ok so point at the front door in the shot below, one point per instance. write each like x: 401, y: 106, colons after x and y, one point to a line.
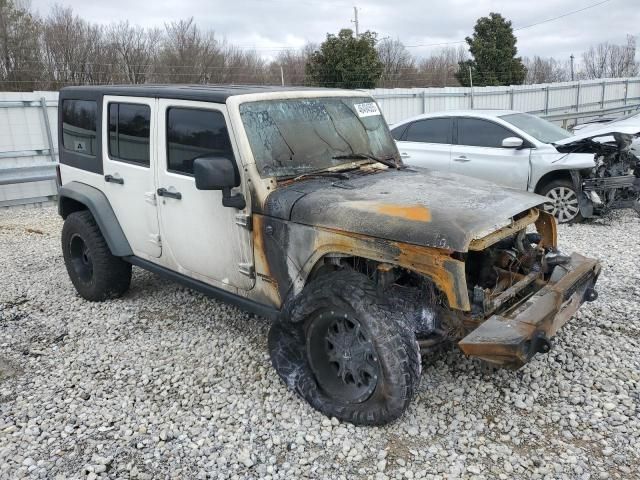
x: 201, y: 238
x: 478, y: 152
x: 129, y: 137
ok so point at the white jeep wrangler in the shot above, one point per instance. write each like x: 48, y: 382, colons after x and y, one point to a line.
x: 294, y: 204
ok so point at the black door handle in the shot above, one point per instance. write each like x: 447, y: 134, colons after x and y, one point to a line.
x: 163, y: 192
x: 112, y: 179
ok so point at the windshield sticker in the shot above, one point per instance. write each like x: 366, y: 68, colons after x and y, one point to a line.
x: 368, y: 109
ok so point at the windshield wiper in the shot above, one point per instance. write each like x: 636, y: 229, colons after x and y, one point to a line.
x: 388, y: 161
x: 319, y: 173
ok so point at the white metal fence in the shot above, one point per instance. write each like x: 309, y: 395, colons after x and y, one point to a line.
x: 28, y: 147
x: 29, y: 138
x: 556, y: 101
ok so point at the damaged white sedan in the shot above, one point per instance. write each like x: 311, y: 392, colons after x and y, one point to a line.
x: 582, y: 175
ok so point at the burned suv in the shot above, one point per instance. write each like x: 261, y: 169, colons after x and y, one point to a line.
x: 294, y: 204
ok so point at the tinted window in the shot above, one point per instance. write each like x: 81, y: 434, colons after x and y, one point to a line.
x: 79, y: 126
x: 195, y: 133
x: 436, y: 130
x: 397, y: 132
x: 481, y: 133
x: 129, y: 132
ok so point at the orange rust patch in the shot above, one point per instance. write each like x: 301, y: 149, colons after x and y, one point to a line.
x: 416, y: 212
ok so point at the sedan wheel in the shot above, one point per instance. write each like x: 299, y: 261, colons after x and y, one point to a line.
x: 563, y: 203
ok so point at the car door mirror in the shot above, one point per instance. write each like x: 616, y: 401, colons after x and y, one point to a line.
x: 512, y: 142
x: 219, y: 173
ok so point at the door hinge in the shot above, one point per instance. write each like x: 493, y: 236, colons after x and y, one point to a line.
x: 244, y: 220
x: 155, y: 239
x: 150, y: 197
x: 247, y: 269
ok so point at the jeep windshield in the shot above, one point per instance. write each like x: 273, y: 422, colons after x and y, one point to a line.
x: 296, y: 136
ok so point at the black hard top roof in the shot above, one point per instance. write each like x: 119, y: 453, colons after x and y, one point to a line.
x: 207, y: 93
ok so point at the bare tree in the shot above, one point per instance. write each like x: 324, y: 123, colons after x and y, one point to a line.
x: 607, y: 60
x: 399, y: 64
x: 438, y: 70
x: 19, y: 53
x: 293, y: 65
x: 74, y: 51
x: 135, y: 50
x: 189, y: 55
x: 546, y: 70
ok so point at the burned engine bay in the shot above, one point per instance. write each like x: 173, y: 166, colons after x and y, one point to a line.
x: 503, y: 271
x: 615, y: 180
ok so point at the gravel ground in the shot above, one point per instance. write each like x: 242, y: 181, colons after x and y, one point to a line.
x: 165, y: 383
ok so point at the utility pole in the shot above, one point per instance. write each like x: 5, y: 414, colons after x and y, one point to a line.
x: 282, y: 75
x: 571, y: 57
x: 471, y: 85
x: 355, y: 16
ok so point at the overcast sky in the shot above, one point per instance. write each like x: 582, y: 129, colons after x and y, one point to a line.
x: 270, y: 25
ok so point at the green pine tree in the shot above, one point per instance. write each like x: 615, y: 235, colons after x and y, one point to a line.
x: 493, y: 47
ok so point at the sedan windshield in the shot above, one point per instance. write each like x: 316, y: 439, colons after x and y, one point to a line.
x: 538, y: 128
x: 296, y: 136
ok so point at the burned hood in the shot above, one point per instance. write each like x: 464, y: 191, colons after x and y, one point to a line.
x: 418, y: 206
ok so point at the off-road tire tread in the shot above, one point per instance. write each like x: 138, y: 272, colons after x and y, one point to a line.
x: 395, y: 344
x: 111, y: 275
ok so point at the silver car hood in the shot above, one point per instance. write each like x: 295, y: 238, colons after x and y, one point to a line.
x: 605, y: 131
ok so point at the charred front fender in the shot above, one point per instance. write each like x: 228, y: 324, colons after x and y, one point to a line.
x: 286, y: 253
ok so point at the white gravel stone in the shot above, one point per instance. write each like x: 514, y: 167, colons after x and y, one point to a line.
x: 165, y: 383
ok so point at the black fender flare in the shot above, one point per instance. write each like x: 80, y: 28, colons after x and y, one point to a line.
x: 98, y: 204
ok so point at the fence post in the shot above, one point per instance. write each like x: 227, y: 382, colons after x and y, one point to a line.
x: 626, y: 90
x: 546, y: 100
x: 424, y: 101
x: 47, y: 126
x: 578, y: 97
x: 604, y: 86
x: 511, y: 93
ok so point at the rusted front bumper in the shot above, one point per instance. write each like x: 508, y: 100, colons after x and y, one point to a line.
x: 510, y: 339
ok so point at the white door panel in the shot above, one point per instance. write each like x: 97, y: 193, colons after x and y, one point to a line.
x: 130, y: 185
x: 428, y: 155
x: 199, y: 234
x: 504, y: 166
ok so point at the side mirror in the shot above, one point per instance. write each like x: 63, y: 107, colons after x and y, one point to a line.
x: 219, y: 173
x: 512, y: 142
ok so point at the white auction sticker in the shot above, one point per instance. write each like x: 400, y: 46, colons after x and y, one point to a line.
x: 367, y: 109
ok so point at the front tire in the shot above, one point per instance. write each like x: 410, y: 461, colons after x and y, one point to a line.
x: 344, y: 353
x: 95, y: 273
x: 563, y: 201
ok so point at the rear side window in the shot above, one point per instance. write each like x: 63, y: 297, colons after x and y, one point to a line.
x: 397, y: 132
x: 79, y: 126
x: 481, y: 133
x: 129, y: 132
x: 434, y: 130
x: 193, y: 133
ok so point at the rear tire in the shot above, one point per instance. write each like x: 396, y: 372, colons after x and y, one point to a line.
x: 563, y: 201
x: 344, y: 353
x: 95, y: 273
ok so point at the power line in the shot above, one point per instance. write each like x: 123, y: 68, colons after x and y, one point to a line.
x: 593, y: 5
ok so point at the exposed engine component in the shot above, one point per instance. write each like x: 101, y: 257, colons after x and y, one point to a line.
x: 615, y: 180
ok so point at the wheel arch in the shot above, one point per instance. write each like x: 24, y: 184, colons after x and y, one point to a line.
x: 551, y: 176
x: 76, y: 196
x: 445, y: 276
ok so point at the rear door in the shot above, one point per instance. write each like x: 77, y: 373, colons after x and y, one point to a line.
x: 129, y: 137
x: 478, y: 152
x: 201, y: 238
x: 427, y: 143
